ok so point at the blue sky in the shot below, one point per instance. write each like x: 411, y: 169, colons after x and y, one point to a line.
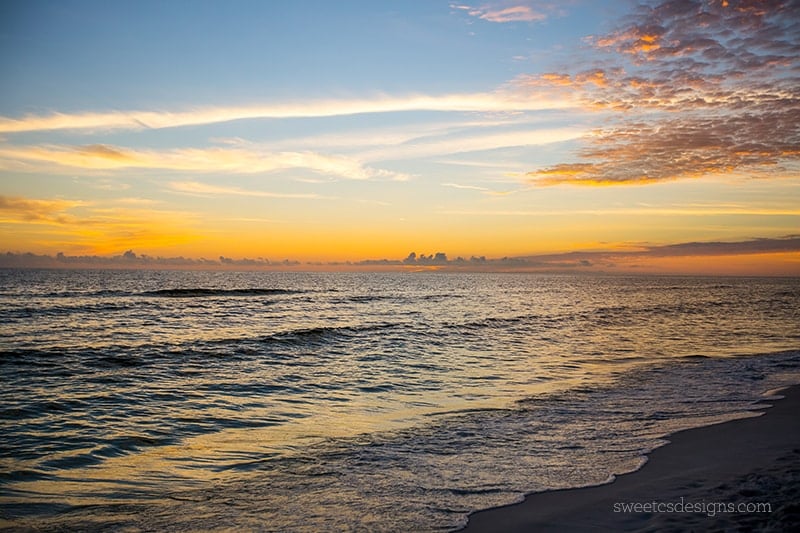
x: 84, y: 55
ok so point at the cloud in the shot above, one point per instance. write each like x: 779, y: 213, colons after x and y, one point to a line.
x: 497, y: 101
x: 246, y: 159
x: 698, y: 88
x: 593, y: 260
x: 755, y: 246
x: 700, y: 210
x: 461, y: 144
x: 787, y: 244
x: 130, y: 259
x: 95, y: 227
x: 467, y: 187
x: 204, y: 189
x: 418, y: 141
x: 388, y: 134
x: 241, y: 157
x: 509, y: 14
x: 28, y: 210
x: 133, y: 201
x: 604, y: 258
x: 506, y: 11
x: 439, y: 258
x: 632, y: 256
x: 779, y: 256
x: 684, y: 147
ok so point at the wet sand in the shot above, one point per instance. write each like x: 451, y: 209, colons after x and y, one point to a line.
x: 743, y: 474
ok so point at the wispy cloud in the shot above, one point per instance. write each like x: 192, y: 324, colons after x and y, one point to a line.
x: 204, y: 189
x: 481, y: 164
x: 22, y: 210
x: 240, y: 160
x: 648, y: 211
x: 391, y: 134
x: 498, y: 101
x: 508, y: 14
x: 94, y: 227
x: 459, y: 144
x: 30, y: 210
x: 134, y: 201
x: 704, y: 88
x: 467, y: 187
x: 430, y: 139
x: 514, y: 11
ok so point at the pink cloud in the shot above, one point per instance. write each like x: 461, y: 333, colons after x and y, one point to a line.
x: 520, y: 13
x: 701, y: 87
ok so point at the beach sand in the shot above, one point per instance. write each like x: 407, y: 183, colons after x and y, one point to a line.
x: 736, y: 464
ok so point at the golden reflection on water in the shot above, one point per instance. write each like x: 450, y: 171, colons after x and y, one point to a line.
x: 199, y: 460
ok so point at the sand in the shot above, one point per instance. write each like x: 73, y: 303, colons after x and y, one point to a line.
x: 736, y: 465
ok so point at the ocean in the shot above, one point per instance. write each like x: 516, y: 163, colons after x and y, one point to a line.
x: 284, y: 401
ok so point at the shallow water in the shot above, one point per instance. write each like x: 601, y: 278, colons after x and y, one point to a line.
x: 375, y: 402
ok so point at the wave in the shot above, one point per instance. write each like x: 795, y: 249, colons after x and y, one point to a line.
x: 319, y: 334
x: 103, y: 293
x: 397, y: 298
x: 190, y: 292
x: 136, y: 354
x: 200, y: 292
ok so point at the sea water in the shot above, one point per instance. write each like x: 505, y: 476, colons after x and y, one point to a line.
x: 162, y: 400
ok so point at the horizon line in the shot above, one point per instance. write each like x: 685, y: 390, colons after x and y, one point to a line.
x: 629, y: 257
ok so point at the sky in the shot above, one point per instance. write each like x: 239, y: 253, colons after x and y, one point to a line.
x: 574, y: 135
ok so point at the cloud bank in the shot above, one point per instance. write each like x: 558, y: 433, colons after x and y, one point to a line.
x: 698, y: 88
x: 583, y: 261
x: 131, y: 259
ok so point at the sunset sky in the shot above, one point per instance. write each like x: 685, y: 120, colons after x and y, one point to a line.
x: 576, y: 134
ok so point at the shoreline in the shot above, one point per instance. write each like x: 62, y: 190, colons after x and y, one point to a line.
x: 740, y: 473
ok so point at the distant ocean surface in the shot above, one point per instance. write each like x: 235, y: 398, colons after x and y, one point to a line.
x: 153, y: 401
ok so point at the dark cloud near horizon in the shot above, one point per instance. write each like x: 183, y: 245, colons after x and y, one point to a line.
x: 787, y: 244
x: 565, y: 261
x: 131, y: 259
x: 701, y: 88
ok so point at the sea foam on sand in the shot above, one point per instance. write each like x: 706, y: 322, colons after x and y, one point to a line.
x: 739, y: 474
